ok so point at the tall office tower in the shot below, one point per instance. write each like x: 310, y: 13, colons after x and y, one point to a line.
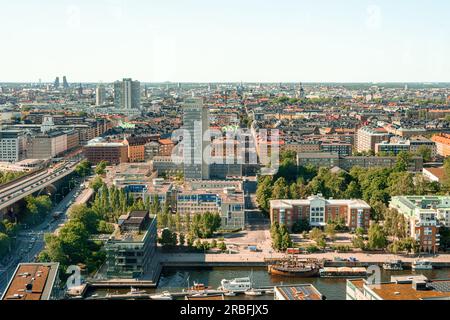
x: 127, y: 94
x: 196, y: 123
x: 56, y: 83
x: 65, y: 84
x: 100, y: 95
x: 80, y: 90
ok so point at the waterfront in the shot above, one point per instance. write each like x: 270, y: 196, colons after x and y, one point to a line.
x: 176, y: 279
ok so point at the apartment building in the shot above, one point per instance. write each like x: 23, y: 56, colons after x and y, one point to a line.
x: 425, y: 216
x: 368, y: 137
x: 442, y: 144
x: 329, y: 160
x: 318, y: 211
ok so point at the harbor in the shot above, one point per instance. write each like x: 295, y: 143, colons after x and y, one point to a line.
x: 174, y: 280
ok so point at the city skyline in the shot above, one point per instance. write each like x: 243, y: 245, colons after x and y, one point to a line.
x: 283, y: 41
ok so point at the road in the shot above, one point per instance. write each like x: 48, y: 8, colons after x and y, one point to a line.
x: 13, y: 193
x: 30, y: 242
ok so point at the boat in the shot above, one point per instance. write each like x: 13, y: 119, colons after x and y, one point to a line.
x: 199, y: 287
x: 269, y: 291
x: 343, y: 272
x: 253, y: 292
x: 205, y: 297
x: 230, y: 294
x: 393, y: 265
x: 294, y: 267
x: 422, y: 264
x: 236, y: 285
x: 162, y: 296
x: 136, y: 291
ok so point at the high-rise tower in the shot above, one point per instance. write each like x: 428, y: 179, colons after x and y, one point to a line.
x: 127, y: 94
x: 195, y: 124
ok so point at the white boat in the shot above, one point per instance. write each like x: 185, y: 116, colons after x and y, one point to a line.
x: 253, y: 292
x: 162, y: 296
x: 136, y: 291
x: 422, y: 265
x: 270, y: 291
x: 236, y: 285
x: 230, y: 294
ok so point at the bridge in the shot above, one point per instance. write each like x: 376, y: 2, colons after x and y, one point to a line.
x: 16, y: 190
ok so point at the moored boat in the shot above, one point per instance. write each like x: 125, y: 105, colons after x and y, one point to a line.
x: 393, y: 265
x: 162, y: 296
x: 295, y: 268
x: 343, y: 272
x: 236, y: 285
x: 253, y: 292
x: 422, y: 264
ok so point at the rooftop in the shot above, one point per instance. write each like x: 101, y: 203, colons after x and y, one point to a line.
x: 299, y: 292
x: 32, y: 281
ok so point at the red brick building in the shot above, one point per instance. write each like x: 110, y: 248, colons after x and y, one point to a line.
x: 318, y: 211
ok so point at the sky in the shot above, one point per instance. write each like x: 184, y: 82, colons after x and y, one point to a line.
x: 225, y: 41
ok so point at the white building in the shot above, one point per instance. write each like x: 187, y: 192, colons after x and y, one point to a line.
x: 100, y: 95
x: 12, y: 145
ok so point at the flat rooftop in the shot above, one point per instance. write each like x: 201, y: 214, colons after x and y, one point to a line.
x: 299, y: 292
x: 32, y: 281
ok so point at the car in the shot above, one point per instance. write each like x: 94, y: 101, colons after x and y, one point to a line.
x: 352, y: 259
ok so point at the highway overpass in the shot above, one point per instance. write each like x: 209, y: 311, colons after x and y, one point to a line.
x: 13, y: 192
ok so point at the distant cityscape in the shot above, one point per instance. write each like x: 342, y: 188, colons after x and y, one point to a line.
x: 114, y: 190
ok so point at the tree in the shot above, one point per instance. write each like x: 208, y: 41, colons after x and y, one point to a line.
x: 83, y: 169
x: 181, y: 239
x: 316, y: 234
x: 330, y: 230
x: 425, y: 152
x: 100, y: 169
x: 5, y: 244
x: 222, y: 246
x: 301, y: 225
x: 264, y: 193
x: 168, y: 238
x: 358, y: 242
x: 377, y: 237
x: 97, y: 183
x: 403, y: 159
x: 280, y: 189
x: 86, y: 216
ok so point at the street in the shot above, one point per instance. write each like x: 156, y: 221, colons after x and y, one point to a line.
x: 30, y: 242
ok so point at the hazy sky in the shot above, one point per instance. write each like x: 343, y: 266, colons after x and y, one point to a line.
x: 233, y: 40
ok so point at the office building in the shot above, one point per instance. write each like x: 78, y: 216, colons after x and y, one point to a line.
x: 34, y: 281
x: 65, y: 83
x: 319, y: 211
x: 195, y: 124
x: 48, y: 145
x: 131, y: 248
x: 100, y: 95
x: 98, y: 150
x: 127, y: 94
x: 12, y: 145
